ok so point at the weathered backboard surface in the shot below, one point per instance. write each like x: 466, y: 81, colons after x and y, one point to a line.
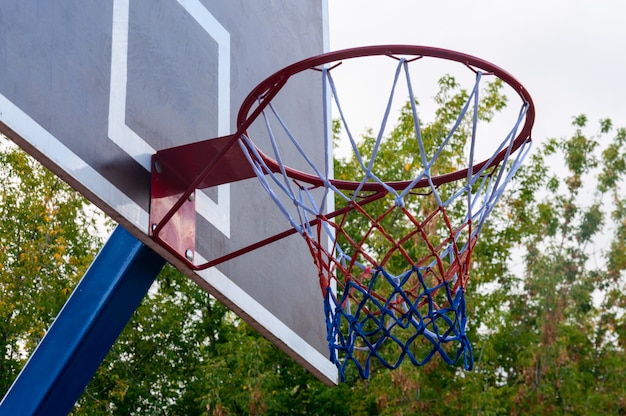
x: 93, y: 88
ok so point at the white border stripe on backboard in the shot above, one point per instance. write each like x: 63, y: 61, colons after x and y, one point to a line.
x: 62, y: 156
x: 72, y: 164
x: 275, y: 326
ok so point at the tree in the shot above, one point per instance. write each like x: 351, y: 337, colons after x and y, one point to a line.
x: 48, y: 238
x: 546, y: 303
x: 568, y: 351
x: 547, y: 321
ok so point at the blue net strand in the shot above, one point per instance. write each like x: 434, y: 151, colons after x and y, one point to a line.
x: 358, y: 336
x: 390, y: 297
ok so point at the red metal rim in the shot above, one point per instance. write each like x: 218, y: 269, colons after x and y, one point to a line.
x: 272, y: 85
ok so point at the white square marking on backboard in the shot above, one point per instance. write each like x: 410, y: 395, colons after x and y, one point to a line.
x: 217, y: 213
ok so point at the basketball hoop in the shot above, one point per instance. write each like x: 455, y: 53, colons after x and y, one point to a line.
x: 390, y: 293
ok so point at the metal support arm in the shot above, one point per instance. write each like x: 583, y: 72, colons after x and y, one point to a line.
x: 84, y: 331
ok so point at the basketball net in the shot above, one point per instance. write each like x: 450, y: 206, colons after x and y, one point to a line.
x: 393, y: 258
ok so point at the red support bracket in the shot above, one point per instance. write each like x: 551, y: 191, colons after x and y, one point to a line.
x: 177, y: 173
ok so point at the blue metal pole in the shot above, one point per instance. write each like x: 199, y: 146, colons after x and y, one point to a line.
x: 84, y: 331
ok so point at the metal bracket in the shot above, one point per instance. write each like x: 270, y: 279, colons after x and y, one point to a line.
x: 177, y: 173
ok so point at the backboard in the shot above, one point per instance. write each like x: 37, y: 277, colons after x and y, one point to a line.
x: 94, y: 89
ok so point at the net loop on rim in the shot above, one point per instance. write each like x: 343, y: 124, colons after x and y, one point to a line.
x: 390, y: 294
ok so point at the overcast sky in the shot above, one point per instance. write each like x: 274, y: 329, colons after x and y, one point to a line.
x: 570, y: 54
